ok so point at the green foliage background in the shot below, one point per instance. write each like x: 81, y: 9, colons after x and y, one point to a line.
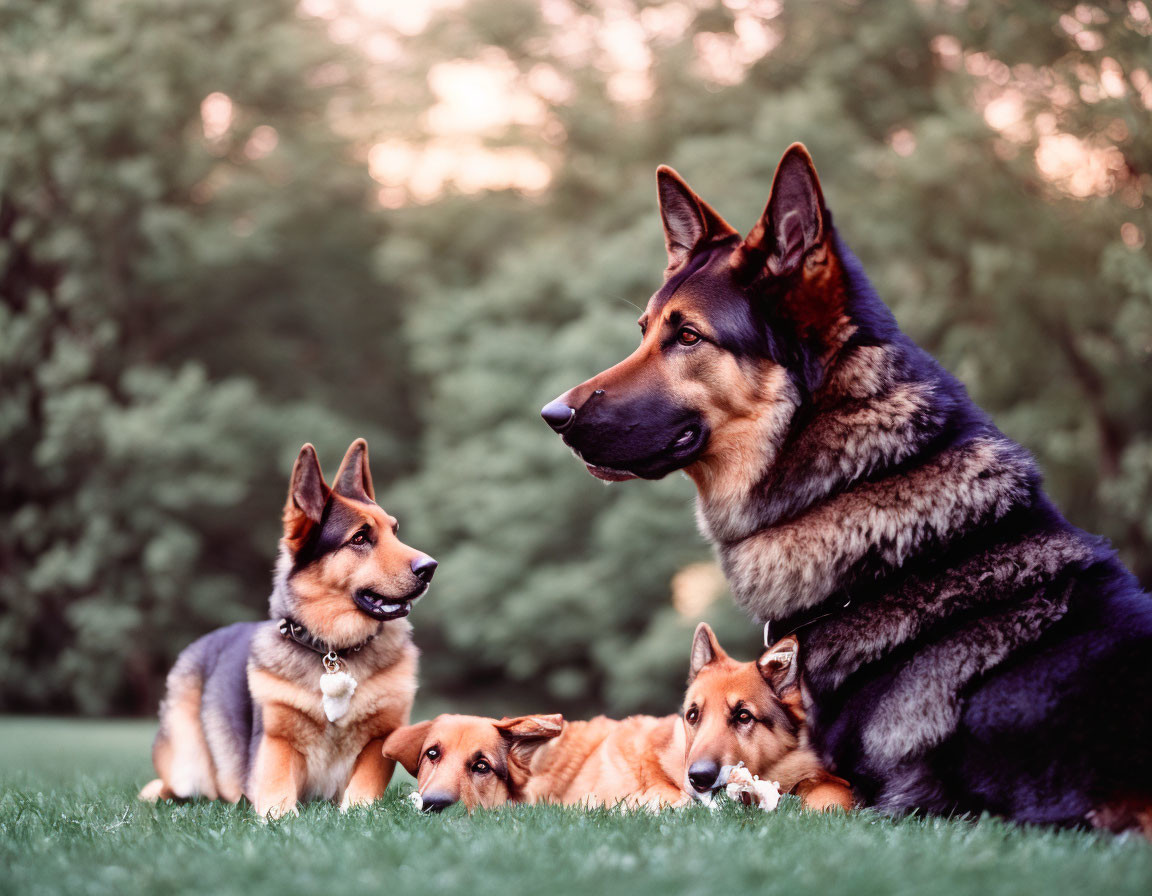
x: 179, y: 313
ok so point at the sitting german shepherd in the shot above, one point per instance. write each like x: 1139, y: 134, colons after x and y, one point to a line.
x: 298, y: 707
x: 733, y: 712
x: 967, y: 649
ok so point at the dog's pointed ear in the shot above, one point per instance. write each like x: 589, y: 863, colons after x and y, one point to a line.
x: 793, y: 220
x: 526, y: 734
x: 780, y: 665
x: 307, y: 494
x: 354, y: 479
x: 705, y: 649
x: 689, y: 221
x: 406, y: 745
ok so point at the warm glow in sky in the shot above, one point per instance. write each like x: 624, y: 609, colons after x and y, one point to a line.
x: 405, y: 16
x: 481, y: 97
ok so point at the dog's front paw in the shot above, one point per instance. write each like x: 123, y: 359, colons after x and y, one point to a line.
x: 277, y: 811
x: 352, y: 800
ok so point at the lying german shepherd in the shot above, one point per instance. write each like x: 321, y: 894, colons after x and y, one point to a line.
x: 967, y: 648
x: 733, y: 712
x: 299, y: 707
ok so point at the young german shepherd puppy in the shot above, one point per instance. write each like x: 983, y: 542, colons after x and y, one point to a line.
x: 481, y: 762
x: 733, y: 712
x: 967, y: 648
x: 753, y: 713
x: 247, y: 712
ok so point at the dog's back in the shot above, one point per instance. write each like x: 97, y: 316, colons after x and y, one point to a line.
x: 637, y: 761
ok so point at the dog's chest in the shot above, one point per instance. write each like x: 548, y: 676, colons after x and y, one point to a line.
x: 331, y: 753
x: 329, y: 759
x: 330, y: 748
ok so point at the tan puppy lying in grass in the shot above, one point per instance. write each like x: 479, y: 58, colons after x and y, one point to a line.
x: 750, y: 713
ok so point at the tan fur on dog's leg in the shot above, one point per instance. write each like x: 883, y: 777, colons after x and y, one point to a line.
x: 825, y: 795
x: 278, y: 778
x: 229, y: 764
x: 370, y: 776
x: 181, y: 753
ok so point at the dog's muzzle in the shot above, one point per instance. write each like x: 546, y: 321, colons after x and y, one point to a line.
x: 435, y: 802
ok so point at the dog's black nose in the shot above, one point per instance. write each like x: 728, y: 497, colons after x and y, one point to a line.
x: 435, y: 802
x: 703, y: 774
x: 558, y: 415
x: 424, y: 566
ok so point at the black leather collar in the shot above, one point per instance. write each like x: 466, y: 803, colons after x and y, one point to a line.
x: 776, y: 629
x: 292, y: 630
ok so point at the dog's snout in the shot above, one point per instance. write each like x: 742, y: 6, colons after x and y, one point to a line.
x: 558, y: 415
x: 436, y: 802
x: 702, y: 775
x: 424, y: 566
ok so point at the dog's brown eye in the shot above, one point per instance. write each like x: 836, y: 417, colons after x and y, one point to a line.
x: 687, y: 337
x: 432, y: 753
x: 743, y: 717
x: 360, y: 537
x: 481, y: 767
x: 692, y: 716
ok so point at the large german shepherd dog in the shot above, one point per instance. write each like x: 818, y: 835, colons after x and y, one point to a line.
x: 299, y: 706
x: 967, y: 649
x: 733, y: 712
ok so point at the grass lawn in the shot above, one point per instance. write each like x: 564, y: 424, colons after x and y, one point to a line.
x: 69, y: 823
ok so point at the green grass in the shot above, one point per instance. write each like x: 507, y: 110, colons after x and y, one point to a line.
x: 69, y: 823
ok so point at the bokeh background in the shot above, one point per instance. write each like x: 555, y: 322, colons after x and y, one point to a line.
x: 230, y: 227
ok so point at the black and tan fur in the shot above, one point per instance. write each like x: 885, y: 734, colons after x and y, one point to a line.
x: 967, y: 649
x: 243, y: 713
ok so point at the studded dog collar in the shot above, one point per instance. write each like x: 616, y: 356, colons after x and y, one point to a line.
x: 292, y: 630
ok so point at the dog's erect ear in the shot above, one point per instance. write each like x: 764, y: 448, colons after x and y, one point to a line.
x: 354, y: 479
x: 780, y: 665
x: 705, y: 649
x: 526, y: 734
x: 688, y: 220
x: 406, y: 745
x: 307, y: 494
x: 793, y: 220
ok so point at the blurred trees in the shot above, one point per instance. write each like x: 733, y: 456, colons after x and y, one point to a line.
x: 187, y: 292
x: 184, y: 302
